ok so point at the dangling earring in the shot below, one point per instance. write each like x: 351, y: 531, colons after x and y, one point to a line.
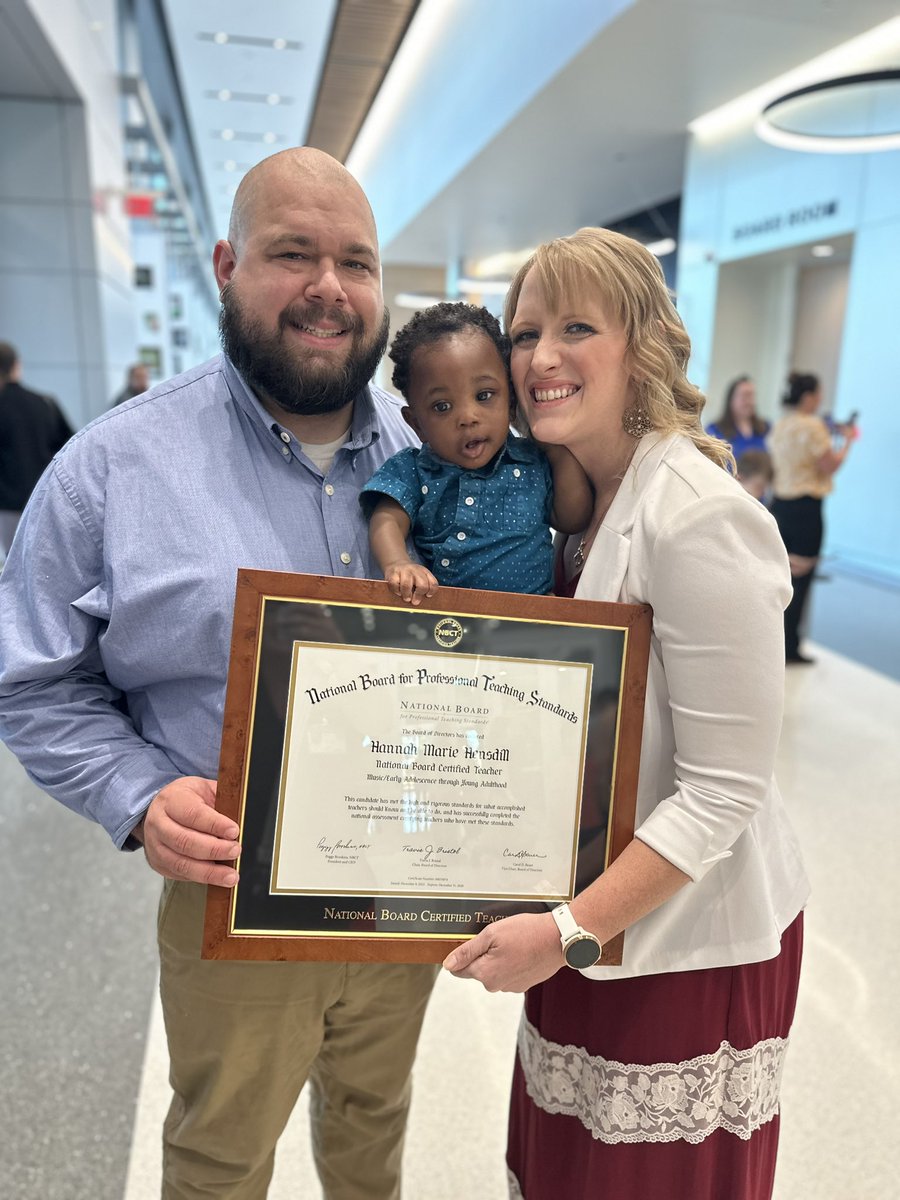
x: 636, y: 421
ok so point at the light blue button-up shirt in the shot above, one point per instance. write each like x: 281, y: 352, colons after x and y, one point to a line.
x: 116, y: 599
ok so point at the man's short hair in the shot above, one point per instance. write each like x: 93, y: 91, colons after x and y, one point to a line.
x: 8, y: 358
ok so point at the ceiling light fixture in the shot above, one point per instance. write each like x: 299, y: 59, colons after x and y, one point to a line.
x: 507, y: 262
x: 269, y: 98
x: 246, y: 39
x: 270, y: 137
x: 484, y: 287
x: 802, y: 119
x: 822, y: 251
x: 857, y: 54
x: 661, y: 248
x: 227, y: 135
x: 413, y: 300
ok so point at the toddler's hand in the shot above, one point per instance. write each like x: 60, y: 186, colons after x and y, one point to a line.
x: 411, y: 582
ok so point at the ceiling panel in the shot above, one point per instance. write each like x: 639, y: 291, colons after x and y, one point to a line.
x: 249, y: 76
x: 364, y: 41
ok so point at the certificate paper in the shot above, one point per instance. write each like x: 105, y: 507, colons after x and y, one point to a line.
x: 415, y: 773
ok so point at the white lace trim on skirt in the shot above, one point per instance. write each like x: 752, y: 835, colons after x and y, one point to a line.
x: 736, y: 1090
x: 515, y: 1192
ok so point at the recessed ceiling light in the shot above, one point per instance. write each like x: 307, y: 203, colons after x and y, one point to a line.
x: 97, y: 26
x: 245, y: 39
x: 273, y: 98
x: 227, y: 135
x: 224, y: 94
x: 270, y: 137
x: 229, y: 164
x: 822, y: 251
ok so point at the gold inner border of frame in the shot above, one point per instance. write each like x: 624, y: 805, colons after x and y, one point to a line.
x: 449, y: 934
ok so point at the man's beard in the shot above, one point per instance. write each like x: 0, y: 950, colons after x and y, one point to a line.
x: 296, y: 378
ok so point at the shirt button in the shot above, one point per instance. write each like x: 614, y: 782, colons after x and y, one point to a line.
x: 285, y: 437
x: 285, y: 450
x: 345, y: 558
x: 517, y: 472
x: 461, y: 536
x: 329, y: 490
x: 445, y: 562
x: 470, y: 500
x: 424, y: 489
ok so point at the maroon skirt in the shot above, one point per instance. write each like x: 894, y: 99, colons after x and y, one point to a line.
x: 664, y: 1087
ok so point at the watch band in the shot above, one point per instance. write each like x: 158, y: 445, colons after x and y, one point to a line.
x: 580, y: 948
x: 566, y: 924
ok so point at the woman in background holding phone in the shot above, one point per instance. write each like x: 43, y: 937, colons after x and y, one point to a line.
x: 804, y: 459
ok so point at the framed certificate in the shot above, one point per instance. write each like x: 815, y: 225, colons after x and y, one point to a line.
x: 403, y: 776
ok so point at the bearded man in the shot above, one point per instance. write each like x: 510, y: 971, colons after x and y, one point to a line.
x: 115, y: 625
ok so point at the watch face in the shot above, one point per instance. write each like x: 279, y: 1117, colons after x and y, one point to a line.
x: 583, y: 952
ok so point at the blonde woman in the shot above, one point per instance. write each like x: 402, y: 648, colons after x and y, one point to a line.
x: 659, y: 1077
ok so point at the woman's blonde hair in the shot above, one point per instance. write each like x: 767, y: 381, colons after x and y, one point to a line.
x: 617, y: 272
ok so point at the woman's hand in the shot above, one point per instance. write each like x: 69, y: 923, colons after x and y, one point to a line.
x: 511, y: 955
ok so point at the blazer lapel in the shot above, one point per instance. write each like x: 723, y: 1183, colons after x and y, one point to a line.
x: 604, y: 572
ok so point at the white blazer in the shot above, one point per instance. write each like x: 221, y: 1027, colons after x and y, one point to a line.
x: 683, y: 536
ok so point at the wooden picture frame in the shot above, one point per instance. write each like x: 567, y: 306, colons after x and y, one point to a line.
x: 299, y: 721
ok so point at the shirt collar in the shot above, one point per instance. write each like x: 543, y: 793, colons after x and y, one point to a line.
x: 517, y: 449
x: 363, y: 427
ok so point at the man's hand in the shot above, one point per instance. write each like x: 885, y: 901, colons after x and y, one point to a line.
x: 410, y: 581
x: 511, y: 955
x: 185, y: 838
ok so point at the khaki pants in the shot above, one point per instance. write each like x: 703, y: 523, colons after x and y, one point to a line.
x: 245, y: 1037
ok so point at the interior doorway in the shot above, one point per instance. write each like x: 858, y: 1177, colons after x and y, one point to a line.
x: 777, y: 313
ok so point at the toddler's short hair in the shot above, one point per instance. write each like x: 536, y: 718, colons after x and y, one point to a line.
x: 430, y: 325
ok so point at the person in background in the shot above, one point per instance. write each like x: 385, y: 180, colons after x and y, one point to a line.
x: 478, y: 500
x: 659, y: 1077
x: 754, y: 473
x: 137, y: 381
x: 32, y: 429
x: 115, y: 629
x: 739, y: 425
x: 805, y: 459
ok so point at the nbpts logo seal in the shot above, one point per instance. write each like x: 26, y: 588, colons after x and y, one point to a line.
x: 448, y: 633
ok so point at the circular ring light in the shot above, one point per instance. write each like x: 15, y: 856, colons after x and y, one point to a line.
x: 782, y: 121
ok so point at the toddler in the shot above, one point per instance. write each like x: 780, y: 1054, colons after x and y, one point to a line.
x: 755, y: 473
x: 479, y: 500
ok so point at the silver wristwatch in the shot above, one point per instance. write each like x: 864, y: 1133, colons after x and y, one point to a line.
x: 580, y: 948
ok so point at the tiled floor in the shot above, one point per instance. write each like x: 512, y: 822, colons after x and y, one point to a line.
x: 78, y: 946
